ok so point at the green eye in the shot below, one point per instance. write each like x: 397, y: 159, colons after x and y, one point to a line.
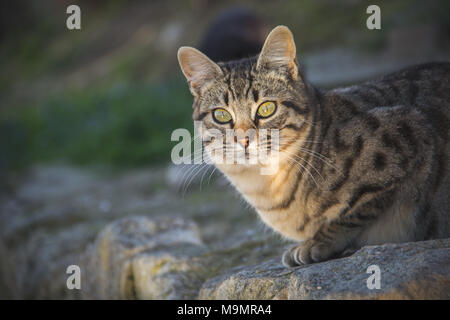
x: 221, y: 115
x: 266, y: 109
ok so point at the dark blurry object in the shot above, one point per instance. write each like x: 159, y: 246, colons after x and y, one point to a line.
x: 15, y: 16
x: 234, y: 34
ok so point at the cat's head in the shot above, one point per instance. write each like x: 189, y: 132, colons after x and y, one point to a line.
x: 245, y: 96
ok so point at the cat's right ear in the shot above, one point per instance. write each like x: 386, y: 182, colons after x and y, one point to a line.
x: 279, y: 52
x: 197, y: 68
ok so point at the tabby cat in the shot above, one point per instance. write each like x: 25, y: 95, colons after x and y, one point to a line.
x: 361, y: 165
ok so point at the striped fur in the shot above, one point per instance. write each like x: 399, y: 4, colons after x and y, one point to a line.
x: 366, y: 164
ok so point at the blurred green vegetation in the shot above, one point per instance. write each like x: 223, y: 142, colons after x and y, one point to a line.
x: 122, y: 125
x: 112, y: 92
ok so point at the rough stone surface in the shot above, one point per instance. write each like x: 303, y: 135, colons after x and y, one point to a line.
x: 419, y: 270
x: 142, y: 258
x: 134, y: 237
x: 163, y: 258
x: 139, y: 258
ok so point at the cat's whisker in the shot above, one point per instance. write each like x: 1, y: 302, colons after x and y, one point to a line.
x: 195, y: 155
x: 300, y: 158
x: 194, y: 158
x: 290, y: 139
x: 321, y: 157
x: 203, y: 175
x: 318, y: 155
x: 189, y: 166
x: 312, y: 153
x: 311, y: 123
x: 194, y: 173
x: 304, y: 168
x: 186, y: 174
x: 211, y: 174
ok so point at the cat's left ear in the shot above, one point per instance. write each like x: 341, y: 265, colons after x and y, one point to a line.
x: 197, y: 68
x: 279, y: 52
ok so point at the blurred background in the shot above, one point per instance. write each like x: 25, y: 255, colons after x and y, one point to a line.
x: 112, y: 92
x: 86, y: 115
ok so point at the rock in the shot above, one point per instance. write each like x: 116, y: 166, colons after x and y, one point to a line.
x: 162, y: 258
x: 134, y: 238
x: 416, y: 270
x: 52, y: 214
x: 142, y: 258
x: 165, y: 258
x: 36, y: 269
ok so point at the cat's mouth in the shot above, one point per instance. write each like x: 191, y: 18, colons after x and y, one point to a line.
x: 244, y: 156
x: 235, y: 154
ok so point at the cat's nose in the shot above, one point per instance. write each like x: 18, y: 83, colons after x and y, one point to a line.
x: 244, y: 142
x: 243, y: 135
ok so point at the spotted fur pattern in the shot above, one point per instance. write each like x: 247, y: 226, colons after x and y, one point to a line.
x: 361, y: 165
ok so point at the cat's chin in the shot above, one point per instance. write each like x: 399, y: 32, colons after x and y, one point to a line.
x: 236, y: 167
x: 258, y: 168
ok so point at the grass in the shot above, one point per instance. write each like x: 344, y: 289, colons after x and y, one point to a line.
x: 121, y: 125
x: 129, y: 123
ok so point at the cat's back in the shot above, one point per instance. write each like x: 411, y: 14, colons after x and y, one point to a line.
x: 424, y: 87
x: 404, y: 114
x: 418, y: 85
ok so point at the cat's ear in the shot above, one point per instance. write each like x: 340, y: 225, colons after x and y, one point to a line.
x: 279, y: 52
x: 197, y: 68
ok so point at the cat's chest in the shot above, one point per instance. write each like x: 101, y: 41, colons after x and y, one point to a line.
x: 278, y: 204
x: 286, y: 222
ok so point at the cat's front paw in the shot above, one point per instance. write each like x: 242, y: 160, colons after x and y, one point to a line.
x: 307, y: 252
